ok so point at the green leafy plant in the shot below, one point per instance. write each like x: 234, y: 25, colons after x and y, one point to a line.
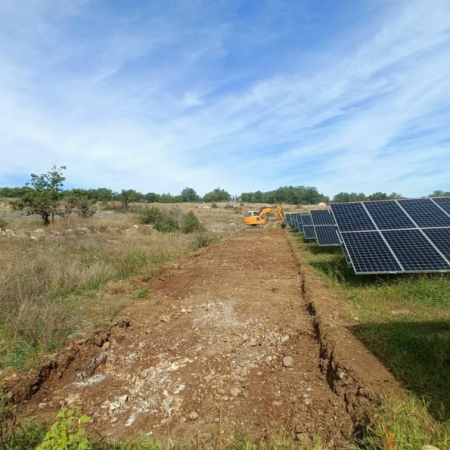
x: 160, y: 220
x: 191, y: 223
x: 3, y: 223
x: 67, y: 433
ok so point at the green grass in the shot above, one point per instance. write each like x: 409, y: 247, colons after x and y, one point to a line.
x: 405, y: 321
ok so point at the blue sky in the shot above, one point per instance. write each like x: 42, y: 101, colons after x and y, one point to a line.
x: 245, y: 95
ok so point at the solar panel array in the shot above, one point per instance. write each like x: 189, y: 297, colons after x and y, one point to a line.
x: 324, y: 228
x: 395, y: 236
x: 317, y: 225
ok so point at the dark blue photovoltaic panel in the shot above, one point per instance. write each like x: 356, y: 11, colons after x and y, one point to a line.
x: 351, y: 217
x: 425, y: 213
x: 306, y: 218
x: 441, y: 239
x: 388, y: 215
x: 322, y: 218
x: 326, y: 235
x: 414, y: 251
x: 369, y: 253
x: 309, y: 232
x: 443, y: 202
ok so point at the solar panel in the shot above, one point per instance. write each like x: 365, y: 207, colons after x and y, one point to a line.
x: 300, y: 225
x: 414, y: 251
x: 441, y: 239
x: 306, y: 219
x: 425, y: 213
x: 443, y: 202
x: 369, y: 253
x: 326, y: 235
x: 322, y: 218
x: 309, y: 232
x: 351, y: 217
x: 388, y: 215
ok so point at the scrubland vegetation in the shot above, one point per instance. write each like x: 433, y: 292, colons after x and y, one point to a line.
x: 405, y: 321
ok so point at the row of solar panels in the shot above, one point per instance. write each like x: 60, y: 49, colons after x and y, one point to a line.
x: 393, y: 236
x: 318, y: 225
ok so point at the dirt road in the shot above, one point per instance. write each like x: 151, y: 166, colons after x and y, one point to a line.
x: 226, y: 340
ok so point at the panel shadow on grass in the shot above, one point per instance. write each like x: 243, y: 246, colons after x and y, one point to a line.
x: 418, y: 354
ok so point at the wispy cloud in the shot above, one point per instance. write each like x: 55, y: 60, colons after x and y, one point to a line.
x: 238, y: 94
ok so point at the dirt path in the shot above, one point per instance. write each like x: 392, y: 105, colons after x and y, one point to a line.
x: 225, y: 339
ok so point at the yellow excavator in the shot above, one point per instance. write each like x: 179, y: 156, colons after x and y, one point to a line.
x: 256, y: 218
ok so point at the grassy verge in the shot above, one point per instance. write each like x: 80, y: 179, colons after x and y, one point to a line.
x: 57, y: 284
x: 405, y: 321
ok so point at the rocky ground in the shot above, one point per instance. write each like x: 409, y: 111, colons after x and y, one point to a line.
x: 238, y: 337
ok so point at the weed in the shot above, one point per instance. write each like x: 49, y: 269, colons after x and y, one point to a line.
x: 3, y: 223
x: 67, y: 433
x: 141, y: 293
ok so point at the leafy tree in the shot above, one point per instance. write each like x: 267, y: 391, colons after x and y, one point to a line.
x: 189, y: 195
x: 345, y: 197
x: 127, y: 196
x: 217, y: 195
x: 440, y: 193
x: 44, y: 194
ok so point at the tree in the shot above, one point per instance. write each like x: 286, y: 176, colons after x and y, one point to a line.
x: 44, y: 194
x: 127, y: 196
x: 189, y: 195
x: 217, y: 195
x: 345, y: 197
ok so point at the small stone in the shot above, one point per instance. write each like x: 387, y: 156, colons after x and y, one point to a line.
x: 235, y: 392
x: 193, y: 415
x: 341, y: 375
x: 285, y: 338
x: 106, y: 345
x: 114, y: 420
x: 288, y: 361
x: 165, y: 319
x: 42, y: 405
x: 429, y: 447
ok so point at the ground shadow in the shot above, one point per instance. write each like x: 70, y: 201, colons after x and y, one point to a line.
x: 418, y: 354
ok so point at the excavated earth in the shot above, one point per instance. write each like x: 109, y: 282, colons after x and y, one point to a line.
x: 239, y: 337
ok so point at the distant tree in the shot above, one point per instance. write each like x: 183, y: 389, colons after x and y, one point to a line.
x: 127, y: 196
x: 440, y: 193
x: 378, y: 196
x: 189, y: 195
x: 344, y: 197
x: 151, y: 197
x: 217, y: 195
x: 44, y: 194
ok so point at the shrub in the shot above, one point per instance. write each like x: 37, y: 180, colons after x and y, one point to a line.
x: 85, y: 208
x: 191, y: 223
x: 214, y: 205
x: 160, y: 220
x: 3, y: 223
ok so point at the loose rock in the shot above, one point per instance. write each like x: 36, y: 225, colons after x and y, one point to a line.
x: 288, y: 361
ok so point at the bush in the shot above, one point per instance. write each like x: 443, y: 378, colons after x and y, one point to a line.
x: 191, y: 223
x: 159, y: 219
x: 214, y: 205
x: 3, y: 223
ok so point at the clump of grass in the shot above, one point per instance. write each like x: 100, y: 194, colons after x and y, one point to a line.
x: 404, y: 424
x: 3, y: 223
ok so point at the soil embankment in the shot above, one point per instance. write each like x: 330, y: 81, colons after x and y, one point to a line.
x: 237, y: 337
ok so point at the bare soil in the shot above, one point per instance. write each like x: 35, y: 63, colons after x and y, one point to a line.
x: 240, y: 336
